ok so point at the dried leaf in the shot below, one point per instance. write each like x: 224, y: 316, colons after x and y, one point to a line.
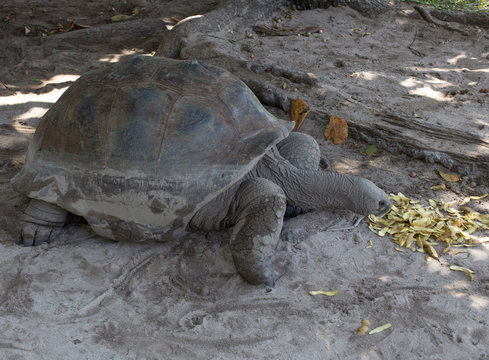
x: 467, y: 199
x: 484, y: 91
x: 380, y: 328
x: 449, y: 177
x: 120, y: 17
x: 320, y: 292
x: 298, y: 112
x: 421, y: 228
x: 439, y: 187
x: 464, y: 269
x: 362, y: 330
x: 337, y: 130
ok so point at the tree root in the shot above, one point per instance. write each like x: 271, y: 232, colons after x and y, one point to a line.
x: 461, y: 17
x: 301, y: 30
x: 117, y: 33
x: 427, y: 17
x: 370, y: 8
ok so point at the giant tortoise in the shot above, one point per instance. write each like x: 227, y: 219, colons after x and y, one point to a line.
x: 151, y: 148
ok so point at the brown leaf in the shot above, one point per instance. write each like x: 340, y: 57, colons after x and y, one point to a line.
x: 298, y: 112
x: 449, y: 177
x: 484, y: 91
x: 337, y: 130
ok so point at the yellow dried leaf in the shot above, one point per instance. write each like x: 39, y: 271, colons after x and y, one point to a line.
x: 362, y: 330
x: 320, y: 292
x: 450, y: 177
x: 120, y: 17
x: 298, y: 112
x: 464, y: 269
x: 467, y: 199
x: 380, y: 328
x: 431, y: 251
x: 422, y: 228
x: 438, y: 187
x: 337, y: 130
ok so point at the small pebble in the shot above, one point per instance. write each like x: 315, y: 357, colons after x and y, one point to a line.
x: 412, y: 174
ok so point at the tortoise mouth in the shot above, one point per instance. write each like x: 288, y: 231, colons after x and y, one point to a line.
x: 384, y: 207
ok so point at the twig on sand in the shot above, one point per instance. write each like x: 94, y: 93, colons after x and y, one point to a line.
x: 119, y: 284
x: 355, y: 224
x: 414, y: 51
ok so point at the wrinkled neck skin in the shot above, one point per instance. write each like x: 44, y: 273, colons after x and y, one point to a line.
x: 313, y: 189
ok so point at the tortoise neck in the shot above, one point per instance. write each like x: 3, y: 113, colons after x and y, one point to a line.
x: 309, y: 189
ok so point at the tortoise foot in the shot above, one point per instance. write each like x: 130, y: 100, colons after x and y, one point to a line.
x: 41, y: 222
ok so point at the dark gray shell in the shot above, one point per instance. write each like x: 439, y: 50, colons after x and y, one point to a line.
x: 137, y: 147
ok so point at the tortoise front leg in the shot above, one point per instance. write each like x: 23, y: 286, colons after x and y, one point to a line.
x: 41, y: 222
x: 257, y: 215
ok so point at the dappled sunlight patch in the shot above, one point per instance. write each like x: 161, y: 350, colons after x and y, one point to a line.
x: 459, y: 295
x: 23, y: 128
x: 20, y: 98
x: 425, y: 88
x: 60, y: 78
x: 33, y: 112
x: 445, y: 70
x: 455, y: 59
x: 479, y: 254
x: 349, y: 166
x: 428, y: 92
x: 172, y: 21
x: 366, y: 75
x: 478, y: 302
x: 457, y: 285
x: 113, y: 58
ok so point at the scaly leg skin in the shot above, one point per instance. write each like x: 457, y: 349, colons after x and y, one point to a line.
x: 302, y: 151
x: 41, y: 222
x: 257, y: 215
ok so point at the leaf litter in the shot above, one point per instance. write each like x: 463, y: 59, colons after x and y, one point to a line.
x: 421, y: 228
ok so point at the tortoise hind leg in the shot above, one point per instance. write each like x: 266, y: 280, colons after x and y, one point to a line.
x: 302, y: 151
x: 41, y: 222
x: 257, y: 215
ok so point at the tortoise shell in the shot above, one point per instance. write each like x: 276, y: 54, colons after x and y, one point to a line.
x: 138, y: 147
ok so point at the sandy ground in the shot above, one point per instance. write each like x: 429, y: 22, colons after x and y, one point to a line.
x: 83, y: 297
